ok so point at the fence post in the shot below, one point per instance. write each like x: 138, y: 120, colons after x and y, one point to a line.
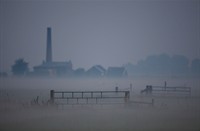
x: 149, y: 89
x: 116, y: 88
x: 52, y: 96
x: 127, y: 95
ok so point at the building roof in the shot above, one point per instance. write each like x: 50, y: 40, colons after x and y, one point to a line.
x: 116, y: 71
x: 100, y: 68
x: 96, y: 70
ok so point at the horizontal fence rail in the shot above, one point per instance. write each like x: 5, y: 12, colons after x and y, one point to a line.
x: 165, y: 89
x: 88, y: 95
x: 178, y: 89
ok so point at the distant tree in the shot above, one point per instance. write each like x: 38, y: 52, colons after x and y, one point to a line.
x: 195, y: 66
x: 155, y: 64
x: 180, y: 64
x: 162, y: 64
x: 158, y: 64
x: 20, y: 67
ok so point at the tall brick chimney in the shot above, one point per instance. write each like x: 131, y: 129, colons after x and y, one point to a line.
x: 49, y: 47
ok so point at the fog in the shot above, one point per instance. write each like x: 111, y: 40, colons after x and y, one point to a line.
x: 109, y: 33
x: 169, y: 112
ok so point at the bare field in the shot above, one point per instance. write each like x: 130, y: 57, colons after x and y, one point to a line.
x: 172, y: 113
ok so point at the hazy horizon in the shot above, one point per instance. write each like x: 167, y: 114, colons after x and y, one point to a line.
x: 108, y: 33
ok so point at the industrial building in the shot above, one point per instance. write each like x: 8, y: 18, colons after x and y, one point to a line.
x: 50, y: 67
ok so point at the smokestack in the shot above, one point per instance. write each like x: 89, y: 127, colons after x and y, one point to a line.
x: 49, y: 48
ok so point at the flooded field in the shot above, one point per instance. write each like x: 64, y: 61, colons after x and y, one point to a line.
x: 170, y: 112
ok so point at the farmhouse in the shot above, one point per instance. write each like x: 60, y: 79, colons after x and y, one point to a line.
x: 116, y: 72
x: 96, y: 71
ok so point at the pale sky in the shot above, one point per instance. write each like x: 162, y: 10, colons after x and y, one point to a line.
x: 110, y: 33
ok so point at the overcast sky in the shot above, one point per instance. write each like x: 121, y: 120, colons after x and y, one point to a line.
x: 110, y: 33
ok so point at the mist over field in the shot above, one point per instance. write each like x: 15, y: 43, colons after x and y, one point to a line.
x: 116, y: 46
x: 170, y: 112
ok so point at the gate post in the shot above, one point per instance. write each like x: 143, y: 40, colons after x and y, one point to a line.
x: 116, y: 88
x: 149, y: 89
x: 52, y: 96
x: 127, y: 95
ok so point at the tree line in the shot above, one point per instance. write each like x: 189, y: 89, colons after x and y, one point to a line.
x: 162, y: 64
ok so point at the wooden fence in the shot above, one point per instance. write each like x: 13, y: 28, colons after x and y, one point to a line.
x: 96, y: 95
x: 165, y: 89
